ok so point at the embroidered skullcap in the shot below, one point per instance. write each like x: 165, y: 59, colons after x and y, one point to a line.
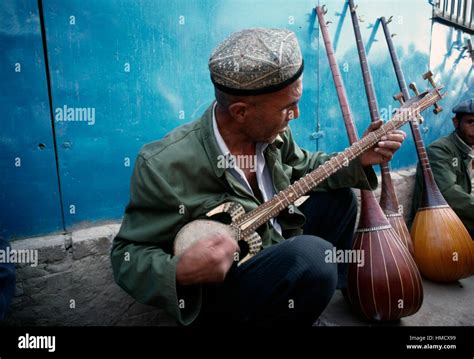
x: 256, y: 61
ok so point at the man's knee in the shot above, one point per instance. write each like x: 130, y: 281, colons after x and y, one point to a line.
x: 342, y: 200
x: 314, y: 278
x: 308, y: 257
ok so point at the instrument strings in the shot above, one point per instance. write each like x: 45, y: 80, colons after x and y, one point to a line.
x: 255, y: 218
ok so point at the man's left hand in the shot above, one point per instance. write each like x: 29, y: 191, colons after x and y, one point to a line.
x: 383, y: 151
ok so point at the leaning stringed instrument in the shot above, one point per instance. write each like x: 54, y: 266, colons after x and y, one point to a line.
x: 243, y: 225
x: 388, y: 197
x: 390, y: 276
x: 443, y: 247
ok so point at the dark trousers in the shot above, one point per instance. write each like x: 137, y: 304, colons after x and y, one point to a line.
x: 289, y: 283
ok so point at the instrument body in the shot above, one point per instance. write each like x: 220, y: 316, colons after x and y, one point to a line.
x: 443, y: 248
x: 198, y: 230
x: 444, y: 258
x: 205, y: 228
x: 388, y: 286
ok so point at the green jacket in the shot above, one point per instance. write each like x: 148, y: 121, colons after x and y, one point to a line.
x: 449, y: 158
x: 177, y: 180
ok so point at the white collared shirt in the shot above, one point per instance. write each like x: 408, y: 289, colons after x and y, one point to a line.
x: 264, y: 178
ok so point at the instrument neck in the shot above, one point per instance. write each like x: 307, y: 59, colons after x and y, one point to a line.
x: 371, y: 214
x: 388, y: 197
x: 340, y: 89
x: 368, y: 83
x: 431, y: 194
x: 270, y: 209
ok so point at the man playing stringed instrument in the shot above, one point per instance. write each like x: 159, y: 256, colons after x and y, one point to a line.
x: 257, y: 75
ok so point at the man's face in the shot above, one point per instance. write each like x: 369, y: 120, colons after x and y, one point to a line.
x: 271, y: 113
x: 465, y: 128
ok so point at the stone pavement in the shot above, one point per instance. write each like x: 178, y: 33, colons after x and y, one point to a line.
x: 443, y: 305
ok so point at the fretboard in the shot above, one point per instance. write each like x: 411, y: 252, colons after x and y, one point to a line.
x: 260, y: 215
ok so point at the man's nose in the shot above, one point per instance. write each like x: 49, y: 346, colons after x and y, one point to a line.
x: 294, y: 113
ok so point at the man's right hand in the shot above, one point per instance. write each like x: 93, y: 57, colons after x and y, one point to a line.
x: 207, y: 260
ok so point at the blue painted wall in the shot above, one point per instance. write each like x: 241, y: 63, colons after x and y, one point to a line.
x: 139, y: 69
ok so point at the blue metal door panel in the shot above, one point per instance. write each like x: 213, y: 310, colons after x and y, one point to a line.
x: 29, y: 194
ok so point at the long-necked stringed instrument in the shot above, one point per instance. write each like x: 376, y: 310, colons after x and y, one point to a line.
x: 443, y: 247
x: 388, y: 197
x: 243, y: 225
x: 390, y: 276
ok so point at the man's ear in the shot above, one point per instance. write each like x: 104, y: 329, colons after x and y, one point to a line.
x: 455, y: 122
x: 239, y: 111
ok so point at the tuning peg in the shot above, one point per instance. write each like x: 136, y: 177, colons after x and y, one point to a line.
x: 325, y: 9
x: 429, y: 76
x: 389, y: 19
x: 437, y: 108
x: 399, y: 97
x: 354, y: 8
x: 393, y: 35
x: 414, y: 88
x: 416, y: 92
x: 328, y: 22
